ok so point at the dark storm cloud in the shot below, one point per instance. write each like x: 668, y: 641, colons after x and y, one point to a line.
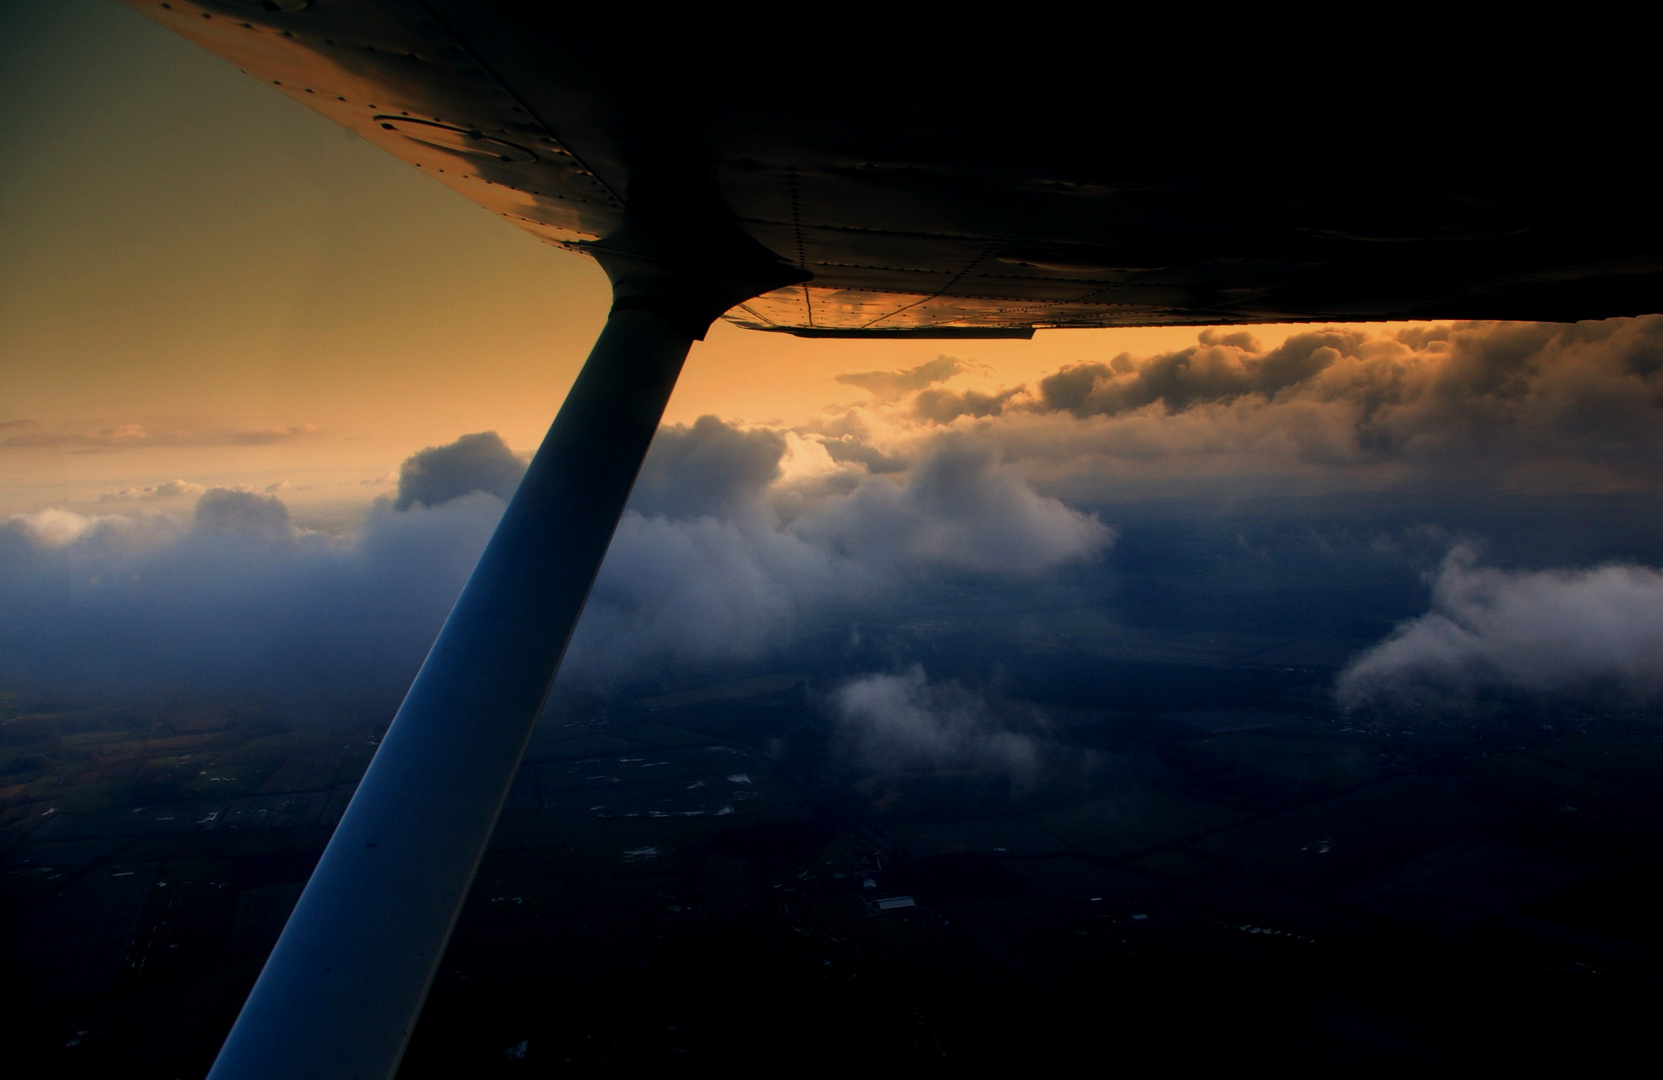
x: 887, y: 385
x: 1551, y: 633
x: 438, y: 474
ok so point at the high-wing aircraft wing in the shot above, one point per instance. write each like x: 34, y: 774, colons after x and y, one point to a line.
x: 952, y: 177
x: 848, y: 173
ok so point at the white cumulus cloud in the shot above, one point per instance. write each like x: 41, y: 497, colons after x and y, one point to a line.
x: 1547, y: 632
x: 901, y: 722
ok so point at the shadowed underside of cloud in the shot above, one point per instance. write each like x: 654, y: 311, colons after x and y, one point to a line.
x: 1546, y: 633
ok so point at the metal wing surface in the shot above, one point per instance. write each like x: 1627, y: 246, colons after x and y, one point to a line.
x: 946, y: 177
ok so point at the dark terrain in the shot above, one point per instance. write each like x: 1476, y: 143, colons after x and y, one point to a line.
x: 1210, y: 866
x: 686, y: 881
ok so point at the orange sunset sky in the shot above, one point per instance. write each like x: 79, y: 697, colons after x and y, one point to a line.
x: 202, y: 280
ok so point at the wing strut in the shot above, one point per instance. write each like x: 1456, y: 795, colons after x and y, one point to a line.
x: 342, y: 990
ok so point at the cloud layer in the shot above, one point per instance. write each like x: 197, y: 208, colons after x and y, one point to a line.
x: 172, y: 489
x: 32, y: 435
x: 236, y: 603
x: 1528, y: 407
x: 737, y: 538
x: 717, y: 558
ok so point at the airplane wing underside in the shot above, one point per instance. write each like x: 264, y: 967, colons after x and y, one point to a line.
x: 983, y: 181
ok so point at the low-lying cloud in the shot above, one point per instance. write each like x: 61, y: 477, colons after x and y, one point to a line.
x: 904, y: 722
x: 1546, y: 633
